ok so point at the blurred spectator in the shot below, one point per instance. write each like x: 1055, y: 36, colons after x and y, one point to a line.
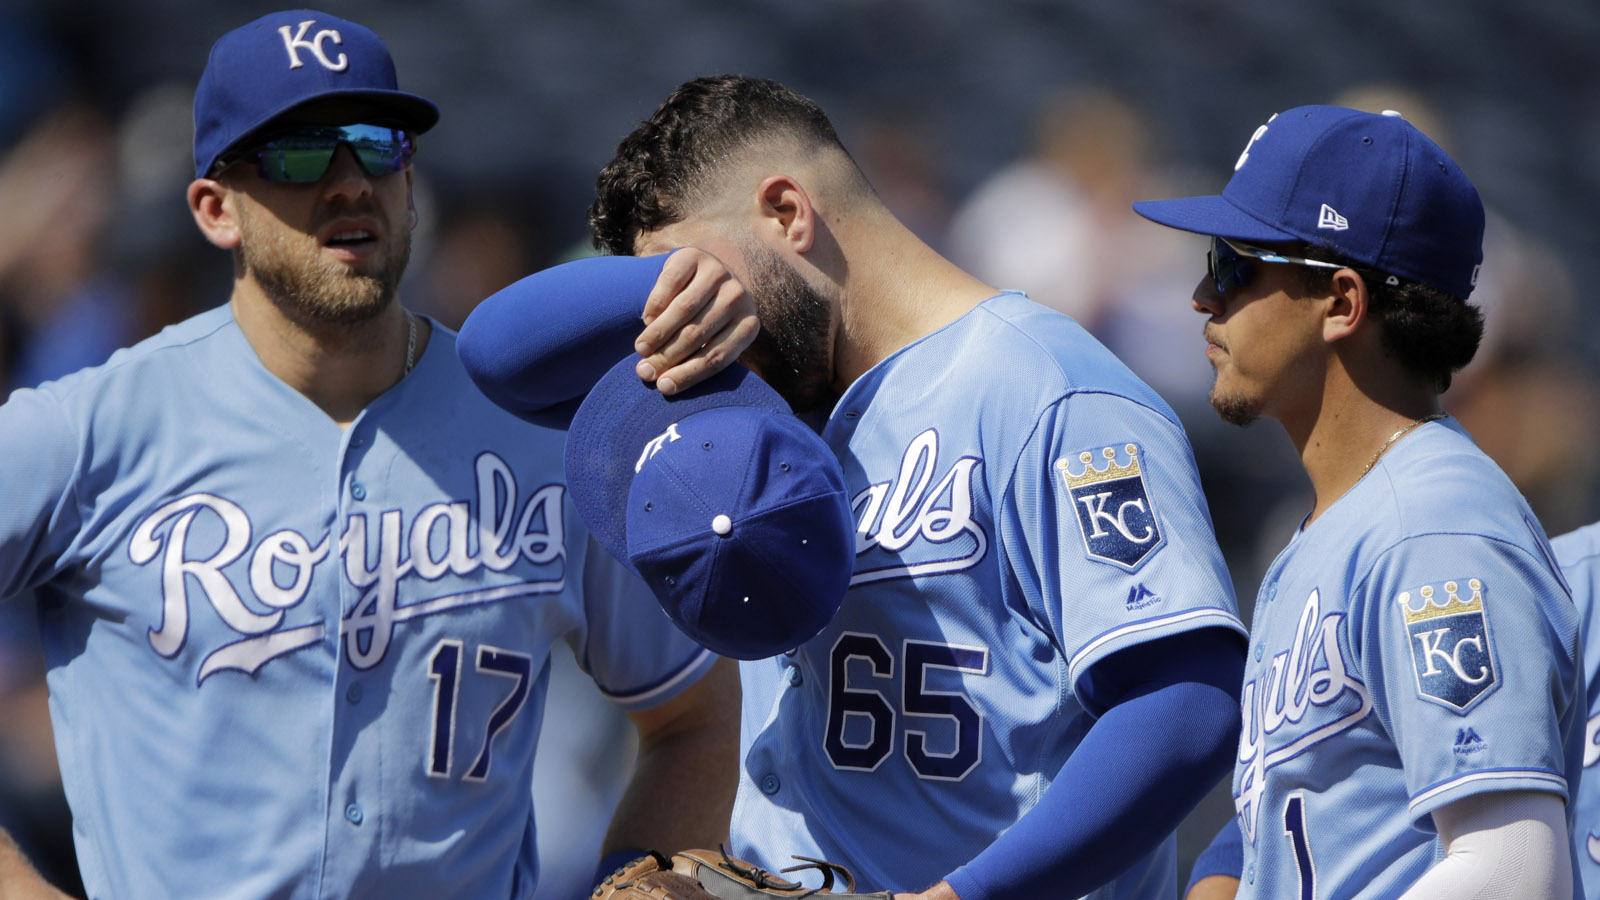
x: 1058, y: 224
x: 478, y: 248
x: 57, y: 186
x: 1053, y: 222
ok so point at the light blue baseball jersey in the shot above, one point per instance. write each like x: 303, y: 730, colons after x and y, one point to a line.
x: 1412, y: 646
x: 1578, y: 552
x: 291, y: 660
x: 1026, y: 507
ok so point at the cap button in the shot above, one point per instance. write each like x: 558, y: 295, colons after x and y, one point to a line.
x: 722, y: 525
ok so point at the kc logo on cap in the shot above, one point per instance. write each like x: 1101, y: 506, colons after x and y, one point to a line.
x: 731, y: 509
x: 296, y: 42
x: 258, y: 72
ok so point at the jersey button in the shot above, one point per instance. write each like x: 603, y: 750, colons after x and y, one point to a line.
x: 770, y: 784
x: 795, y: 677
x: 353, y: 693
x: 1258, y: 652
x: 353, y: 813
x: 1250, y: 873
x: 1272, y: 591
x: 358, y: 491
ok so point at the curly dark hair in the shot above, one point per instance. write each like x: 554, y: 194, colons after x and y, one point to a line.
x: 1432, y: 334
x: 661, y: 167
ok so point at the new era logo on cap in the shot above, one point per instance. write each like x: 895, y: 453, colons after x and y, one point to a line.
x: 261, y: 71
x: 1330, y: 219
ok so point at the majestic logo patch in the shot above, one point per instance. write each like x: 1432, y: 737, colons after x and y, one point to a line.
x: 1114, y: 510
x: 1450, y: 651
x: 1468, y: 742
x: 1330, y: 219
x: 1140, y: 596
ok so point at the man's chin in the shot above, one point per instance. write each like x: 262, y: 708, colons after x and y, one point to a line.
x: 1235, y: 410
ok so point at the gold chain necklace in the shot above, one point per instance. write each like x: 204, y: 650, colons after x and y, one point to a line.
x: 1397, y: 436
x: 411, y: 346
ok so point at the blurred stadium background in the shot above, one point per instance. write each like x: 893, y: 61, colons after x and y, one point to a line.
x: 1011, y: 134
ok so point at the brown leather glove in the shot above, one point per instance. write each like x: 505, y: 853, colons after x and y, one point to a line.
x: 714, y: 875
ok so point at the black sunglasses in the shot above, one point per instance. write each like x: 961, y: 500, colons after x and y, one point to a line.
x: 303, y: 155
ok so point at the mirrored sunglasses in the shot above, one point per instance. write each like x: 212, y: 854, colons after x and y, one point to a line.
x: 303, y: 155
x: 1229, y: 263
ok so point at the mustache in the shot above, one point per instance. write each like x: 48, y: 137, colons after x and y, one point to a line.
x: 361, y: 207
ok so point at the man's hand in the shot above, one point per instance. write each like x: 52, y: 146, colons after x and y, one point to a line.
x: 940, y: 891
x: 1213, y: 887
x: 698, y: 319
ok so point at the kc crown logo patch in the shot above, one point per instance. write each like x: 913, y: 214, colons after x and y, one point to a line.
x: 1451, y: 654
x: 1114, y: 510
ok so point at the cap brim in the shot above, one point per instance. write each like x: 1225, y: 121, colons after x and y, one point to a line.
x: 619, y: 417
x: 1212, y: 215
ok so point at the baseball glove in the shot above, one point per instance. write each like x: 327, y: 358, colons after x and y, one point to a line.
x: 714, y: 875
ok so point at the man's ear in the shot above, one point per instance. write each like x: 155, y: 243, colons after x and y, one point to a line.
x: 213, y: 208
x: 786, y: 208
x: 1347, y: 305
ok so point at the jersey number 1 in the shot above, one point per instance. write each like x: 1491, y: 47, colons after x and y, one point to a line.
x: 1294, y: 825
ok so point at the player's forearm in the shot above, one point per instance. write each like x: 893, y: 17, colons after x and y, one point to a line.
x: 1213, y: 887
x: 526, y: 366
x: 1112, y: 802
x: 18, y: 879
x: 681, y: 794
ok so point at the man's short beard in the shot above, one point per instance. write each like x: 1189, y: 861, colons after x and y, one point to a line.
x: 1234, y: 409
x: 791, y: 351
x: 312, y: 290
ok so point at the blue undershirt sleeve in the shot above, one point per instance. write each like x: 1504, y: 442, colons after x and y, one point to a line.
x: 536, y: 347
x: 1168, y: 734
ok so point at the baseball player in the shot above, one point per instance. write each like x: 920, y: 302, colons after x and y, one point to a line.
x: 1412, y: 697
x: 1579, y: 555
x: 298, y: 581
x: 1032, y: 677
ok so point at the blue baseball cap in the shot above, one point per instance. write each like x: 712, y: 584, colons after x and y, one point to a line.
x: 731, y: 509
x: 1368, y: 186
x: 283, y: 60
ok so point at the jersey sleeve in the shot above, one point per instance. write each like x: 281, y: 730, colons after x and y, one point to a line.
x: 1108, y: 532
x: 634, y: 653
x: 536, y: 347
x: 1469, y: 646
x: 38, y: 512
